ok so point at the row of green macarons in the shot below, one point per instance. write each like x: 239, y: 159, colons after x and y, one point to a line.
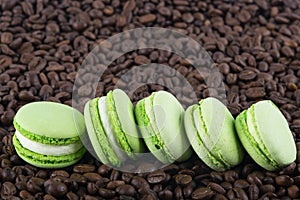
x: 48, y: 134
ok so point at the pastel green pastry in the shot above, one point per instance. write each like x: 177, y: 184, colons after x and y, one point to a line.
x: 265, y: 134
x: 159, y: 117
x: 112, y: 129
x: 48, y: 134
x: 210, y: 129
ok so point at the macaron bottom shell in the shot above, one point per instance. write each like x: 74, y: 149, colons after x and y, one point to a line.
x: 47, y: 161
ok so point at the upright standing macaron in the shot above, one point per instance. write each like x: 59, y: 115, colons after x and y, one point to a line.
x: 112, y: 129
x: 47, y: 134
x: 266, y: 136
x: 160, y: 120
x: 210, y: 129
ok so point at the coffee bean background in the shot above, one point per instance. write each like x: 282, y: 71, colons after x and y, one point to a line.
x: 254, y: 44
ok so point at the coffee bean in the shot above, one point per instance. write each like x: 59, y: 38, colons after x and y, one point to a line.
x: 284, y: 180
x: 34, y: 185
x: 26, y: 195
x: 125, y: 190
x: 105, y: 193
x: 6, y: 38
x: 183, y: 179
x: 241, y: 184
x: 216, y: 187
x: 255, y: 92
x: 139, y: 182
x: 147, y: 18
x: 293, y: 191
x: 7, y: 190
x: 156, y: 177
x: 247, y: 75
x: 83, y: 168
x: 114, y: 184
x: 202, y: 193
x: 55, y: 188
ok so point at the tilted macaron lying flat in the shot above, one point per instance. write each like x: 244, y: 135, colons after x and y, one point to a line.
x: 159, y: 117
x: 210, y: 129
x: 266, y: 136
x: 112, y: 129
x: 47, y: 134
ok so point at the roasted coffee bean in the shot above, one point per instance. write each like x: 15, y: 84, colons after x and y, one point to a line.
x: 105, y: 193
x: 83, y: 168
x: 202, y: 193
x: 8, y: 190
x: 293, y: 191
x: 156, y: 177
x: 55, y: 188
x: 284, y: 180
x: 139, y: 182
x: 125, y: 190
x: 114, y: 184
x: 35, y: 185
x: 183, y: 179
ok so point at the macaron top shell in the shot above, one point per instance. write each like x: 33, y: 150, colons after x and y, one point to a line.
x: 50, y: 122
x: 270, y: 130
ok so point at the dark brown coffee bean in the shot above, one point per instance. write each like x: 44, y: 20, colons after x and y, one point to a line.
x: 105, y: 193
x: 125, y: 190
x: 241, y: 184
x: 71, y: 196
x: 253, y: 192
x: 244, y: 16
x: 35, y: 185
x: 6, y: 38
x: 26, y: 195
x: 247, y: 75
x: 114, y: 184
x: 216, y: 187
x: 293, y: 191
x: 83, y: 168
x: 55, y: 188
x: 140, y: 60
x: 8, y: 190
x: 156, y: 177
x: 139, y: 182
x: 147, y: 18
x: 183, y: 179
x: 267, y: 188
x: 166, y: 194
x: 7, y: 174
x: 202, y: 193
x: 230, y: 176
x: 255, y: 92
x: 284, y: 180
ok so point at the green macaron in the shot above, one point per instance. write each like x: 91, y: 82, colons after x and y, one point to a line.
x: 265, y: 134
x: 210, y: 129
x: 160, y: 118
x: 112, y: 129
x: 48, y: 134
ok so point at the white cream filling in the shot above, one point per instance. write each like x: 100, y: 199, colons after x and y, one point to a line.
x: 48, y: 149
x: 103, y: 112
